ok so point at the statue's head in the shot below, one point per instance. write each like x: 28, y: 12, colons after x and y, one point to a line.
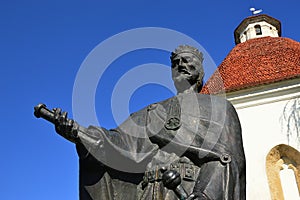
x: 187, y: 69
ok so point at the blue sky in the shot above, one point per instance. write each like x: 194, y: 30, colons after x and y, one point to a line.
x: 45, y: 43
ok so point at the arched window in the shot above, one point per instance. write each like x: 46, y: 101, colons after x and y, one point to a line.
x: 283, y: 167
x: 246, y: 36
x: 258, y: 30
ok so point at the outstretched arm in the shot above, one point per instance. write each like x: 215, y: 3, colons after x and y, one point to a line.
x: 67, y: 128
x: 122, y: 145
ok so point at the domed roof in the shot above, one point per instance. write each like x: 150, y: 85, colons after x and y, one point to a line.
x: 256, y: 62
x: 255, y: 19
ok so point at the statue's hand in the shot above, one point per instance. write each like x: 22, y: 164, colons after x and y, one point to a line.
x: 172, y: 180
x: 65, y: 127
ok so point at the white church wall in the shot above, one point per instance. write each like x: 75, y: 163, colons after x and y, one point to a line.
x: 266, y: 30
x: 260, y: 111
x: 261, y: 132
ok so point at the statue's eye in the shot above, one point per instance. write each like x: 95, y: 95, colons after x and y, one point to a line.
x: 183, y: 60
x: 176, y: 61
x: 188, y: 59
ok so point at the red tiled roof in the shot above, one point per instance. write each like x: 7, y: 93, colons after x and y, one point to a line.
x: 256, y: 62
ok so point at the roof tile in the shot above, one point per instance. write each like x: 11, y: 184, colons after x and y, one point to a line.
x: 256, y: 62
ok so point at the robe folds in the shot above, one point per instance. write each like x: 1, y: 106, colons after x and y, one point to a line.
x: 197, y: 135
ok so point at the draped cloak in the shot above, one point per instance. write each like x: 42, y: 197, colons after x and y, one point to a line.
x: 199, y: 131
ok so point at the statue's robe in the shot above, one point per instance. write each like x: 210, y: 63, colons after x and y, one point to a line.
x: 204, y: 146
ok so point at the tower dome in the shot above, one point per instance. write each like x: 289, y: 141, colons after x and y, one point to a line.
x: 257, y: 26
x: 256, y: 62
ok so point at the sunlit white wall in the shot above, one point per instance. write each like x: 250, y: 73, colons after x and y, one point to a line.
x: 266, y: 30
x: 260, y: 112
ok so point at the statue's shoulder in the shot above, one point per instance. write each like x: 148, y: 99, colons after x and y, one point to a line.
x: 188, y: 102
x: 217, y: 102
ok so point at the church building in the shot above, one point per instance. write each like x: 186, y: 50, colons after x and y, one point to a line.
x: 261, y: 78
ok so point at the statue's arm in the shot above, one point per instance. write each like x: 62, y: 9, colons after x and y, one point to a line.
x: 67, y: 128
x: 124, y: 143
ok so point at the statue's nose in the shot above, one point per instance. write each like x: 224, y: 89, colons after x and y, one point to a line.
x: 180, y: 61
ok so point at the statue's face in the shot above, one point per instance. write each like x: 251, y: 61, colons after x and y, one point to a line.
x: 185, y: 67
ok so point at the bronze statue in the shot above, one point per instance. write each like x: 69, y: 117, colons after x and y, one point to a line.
x: 186, y: 147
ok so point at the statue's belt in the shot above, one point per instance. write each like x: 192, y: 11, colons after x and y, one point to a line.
x: 187, y: 170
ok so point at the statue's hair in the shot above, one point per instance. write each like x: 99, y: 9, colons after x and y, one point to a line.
x: 187, y: 49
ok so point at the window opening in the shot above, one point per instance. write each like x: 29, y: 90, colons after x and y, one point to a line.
x: 258, y: 30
